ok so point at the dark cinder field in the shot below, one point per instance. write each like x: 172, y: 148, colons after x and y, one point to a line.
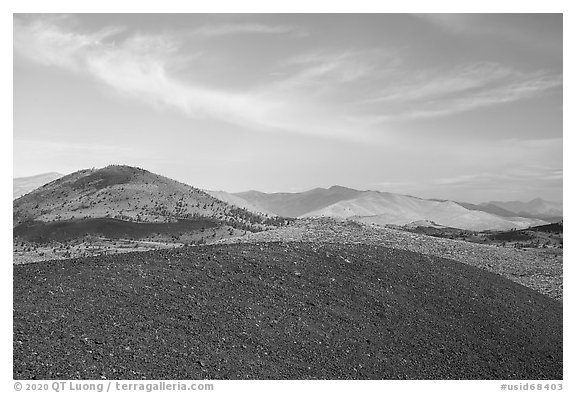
x: 294, y: 310
x: 40, y: 232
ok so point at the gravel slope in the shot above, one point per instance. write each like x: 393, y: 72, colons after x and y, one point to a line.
x: 536, y: 269
x: 279, y: 311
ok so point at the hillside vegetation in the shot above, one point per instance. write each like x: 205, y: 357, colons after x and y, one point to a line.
x: 129, y: 194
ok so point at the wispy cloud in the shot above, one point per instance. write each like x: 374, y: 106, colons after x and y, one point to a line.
x: 521, y: 183
x: 136, y: 66
x: 218, y: 30
x: 512, y: 162
x: 526, y: 29
x: 139, y: 67
x: 346, y: 93
x: 454, y: 23
x: 44, y: 42
x: 338, y: 67
x: 521, y: 179
x: 496, y: 180
x: 324, y: 73
x: 431, y: 84
x: 466, y: 88
x: 486, y: 98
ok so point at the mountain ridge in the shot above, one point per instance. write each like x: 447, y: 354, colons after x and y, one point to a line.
x: 535, y: 207
x: 368, y: 206
x: 384, y: 208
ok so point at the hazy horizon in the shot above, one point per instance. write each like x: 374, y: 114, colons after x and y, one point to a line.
x: 298, y: 191
x: 466, y: 107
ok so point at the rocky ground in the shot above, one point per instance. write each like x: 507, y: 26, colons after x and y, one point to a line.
x: 539, y: 269
x: 23, y: 252
x: 284, y: 310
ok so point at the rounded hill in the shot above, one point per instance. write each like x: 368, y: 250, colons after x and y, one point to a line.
x: 128, y: 194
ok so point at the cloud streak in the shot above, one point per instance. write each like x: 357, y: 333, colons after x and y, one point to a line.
x: 524, y: 181
x: 319, y: 93
x: 43, y: 42
x: 524, y: 29
x: 456, y: 23
x: 141, y: 73
x: 339, y: 67
x: 427, y: 85
x: 138, y: 67
x: 219, y: 30
x: 466, y: 88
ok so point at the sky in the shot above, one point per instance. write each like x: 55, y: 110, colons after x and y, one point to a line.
x: 466, y: 107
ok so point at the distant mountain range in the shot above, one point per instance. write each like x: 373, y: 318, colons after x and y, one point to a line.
x: 23, y: 185
x: 134, y: 194
x: 383, y: 208
x: 538, y: 208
